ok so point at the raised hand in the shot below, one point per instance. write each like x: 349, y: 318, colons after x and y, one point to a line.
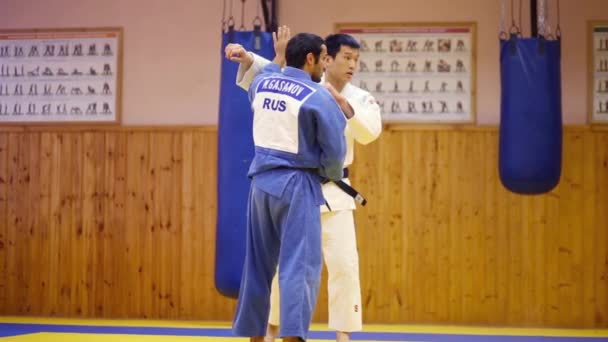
x: 280, y: 39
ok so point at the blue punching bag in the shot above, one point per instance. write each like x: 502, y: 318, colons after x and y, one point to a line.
x: 530, y: 144
x: 235, y: 152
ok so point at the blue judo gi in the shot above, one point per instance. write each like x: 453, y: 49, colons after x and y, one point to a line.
x: 296, y: 146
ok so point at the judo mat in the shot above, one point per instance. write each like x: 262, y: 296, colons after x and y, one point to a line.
x: 20, y: 329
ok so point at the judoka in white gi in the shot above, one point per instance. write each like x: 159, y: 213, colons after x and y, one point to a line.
x: 296, y: 146
x: 338, y: 229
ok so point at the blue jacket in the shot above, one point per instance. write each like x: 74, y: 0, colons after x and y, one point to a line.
x: 297, y: 124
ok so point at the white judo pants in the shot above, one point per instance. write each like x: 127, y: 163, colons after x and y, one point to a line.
x: 339, y: 244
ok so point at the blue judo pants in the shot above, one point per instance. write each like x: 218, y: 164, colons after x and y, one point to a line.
x: 284, y: 227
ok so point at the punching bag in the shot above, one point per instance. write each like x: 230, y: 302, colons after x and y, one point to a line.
x: 530, y: 143
x: 235, y: 152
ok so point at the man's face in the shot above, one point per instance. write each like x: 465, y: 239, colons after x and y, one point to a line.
x: 319, y: 67
x: 345, y: 63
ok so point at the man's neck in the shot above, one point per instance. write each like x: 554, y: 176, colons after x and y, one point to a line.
x: 337, y: 84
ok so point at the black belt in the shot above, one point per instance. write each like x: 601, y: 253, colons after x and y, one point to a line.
x: 345, y: 173
x: 348, y: 189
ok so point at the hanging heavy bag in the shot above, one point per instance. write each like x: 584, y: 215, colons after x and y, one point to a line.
x: 235, y: 152
x: 530, y: 144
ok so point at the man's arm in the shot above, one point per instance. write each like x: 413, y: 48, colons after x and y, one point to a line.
x: 341, y: 100
x: 330, y: 127
x: 362, y: 112
x: 245, y: 76
x: 251, y: 64
x: 366, y: 123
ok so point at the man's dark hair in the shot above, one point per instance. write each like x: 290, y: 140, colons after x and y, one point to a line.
x: 335, y: 41
x: 299, y: 46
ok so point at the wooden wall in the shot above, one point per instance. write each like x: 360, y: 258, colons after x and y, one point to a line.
x: 442, y: 241
x: 120, y: 222
x: 109, y: 224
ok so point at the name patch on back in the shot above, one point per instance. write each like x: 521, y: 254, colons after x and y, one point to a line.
x: 291, y: 88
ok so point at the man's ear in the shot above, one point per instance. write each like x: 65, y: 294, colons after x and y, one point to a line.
x: 310, y: 58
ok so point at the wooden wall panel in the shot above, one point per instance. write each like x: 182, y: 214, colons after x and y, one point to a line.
x: 4, y: 226
x: 120, y: 222
x: 468, y: 251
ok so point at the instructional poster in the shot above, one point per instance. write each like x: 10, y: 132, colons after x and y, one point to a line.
x: 599, y: 73
x: 60, y: 76
x: 422, y: 73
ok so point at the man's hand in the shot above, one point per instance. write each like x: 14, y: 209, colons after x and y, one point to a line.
x: 342, y: 101
x: 237, y: 53
x: 280, y: 39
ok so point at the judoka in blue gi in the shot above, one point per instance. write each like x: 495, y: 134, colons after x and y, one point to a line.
x: 296, y: 147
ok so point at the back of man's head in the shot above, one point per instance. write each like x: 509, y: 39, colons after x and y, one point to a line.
x: 299, y: 46
x: 335, y: 41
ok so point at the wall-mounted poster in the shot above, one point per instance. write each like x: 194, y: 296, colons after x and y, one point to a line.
x: 419, y: 73
x: 598, y: 72
x: 60, y: 76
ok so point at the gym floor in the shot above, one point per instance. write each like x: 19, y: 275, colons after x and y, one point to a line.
x: 20, y: 329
